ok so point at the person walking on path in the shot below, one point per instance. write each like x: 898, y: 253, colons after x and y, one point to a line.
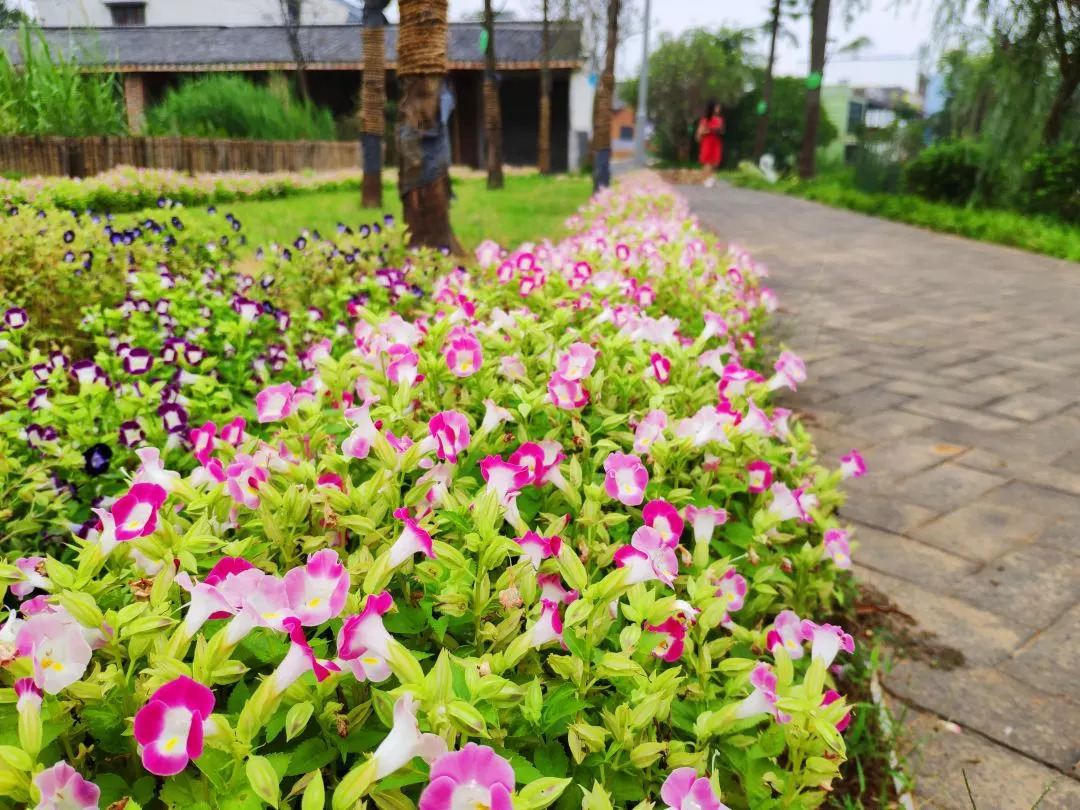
x: 710, y: 129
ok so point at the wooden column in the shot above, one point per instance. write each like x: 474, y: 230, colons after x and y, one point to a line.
x: 135, y: 101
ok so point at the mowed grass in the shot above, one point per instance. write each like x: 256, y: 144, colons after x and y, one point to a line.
x: 529, y: 208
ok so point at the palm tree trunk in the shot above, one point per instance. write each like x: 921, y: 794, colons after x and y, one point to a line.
x: 766, y: 89
x: 492, y: 113
x: 819, y: 22
x: 373, y: 103
x: 602, y: 103
x: 544, y: 151
x: 424, y: 185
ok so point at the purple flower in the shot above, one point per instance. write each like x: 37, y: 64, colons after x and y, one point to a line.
x: 16, y: 318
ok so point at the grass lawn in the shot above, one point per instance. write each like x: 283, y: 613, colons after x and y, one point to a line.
x: 1037, y: 234
x: 530, y: 207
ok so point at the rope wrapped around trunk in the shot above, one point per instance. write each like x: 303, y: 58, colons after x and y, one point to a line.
x: 604, y: 98
x: 421, y: 47
x: 491, y: 103
x: 373, y: 93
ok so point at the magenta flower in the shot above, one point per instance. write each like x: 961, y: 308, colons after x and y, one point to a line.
x: 537, y: 548
x: 704, y: 520
x: 549, y: 626
x: 202, y: 441
x: 169, y: 728
x: 450, y: 430
x: 474, y: 777
x: 28, y: 695
x: 852, y: 465
x: 787, y: 504
x: 577, y: 362
x: 648, y: 557
x: 462, y: 352
x: 826, y: 641
x: 403, y: 368
x: 570, y: 395
x: 649, y: 431
x: 62, y: 788
x: 136, y: 513
x: 671, y: 646
x: 758, y: 476
x: 263, y: 601
x: 233, y: 432
x: 57, y: 647
x: 331, y: 479
x: 661, y: 367
x: 830, y: 697
x: 552, y: 589
x: 33, y: 576
x: 317, y: 590
x: 837, y: 547
x: 625, y: 478
x: 762, y: 700
x: 732, y: 590
x: 663, y: 517
x: 358, y: 443
x: 790, y: 371
x: 504, y: 478
x: 243, y: 478
x: 755, y: 422
x: 714, y: 325
x: 787, y: 633
x: 404, y: 742
x: 494, y: 415
x: 412, y: 539
x: 363, y: 641
x: 274, y: 403
x: 684, y: 790
x: 152, y: 470
x: 299, y: 659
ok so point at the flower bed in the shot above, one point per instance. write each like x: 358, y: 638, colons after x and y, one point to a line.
x: 529, y: 534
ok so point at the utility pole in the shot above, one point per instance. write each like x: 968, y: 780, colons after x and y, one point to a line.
x: 643, y: 95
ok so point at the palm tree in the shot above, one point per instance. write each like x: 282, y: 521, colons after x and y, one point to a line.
x: 766, y: 90
x: 373, y: 102
x: 819, y: 29
x: 544, y: 156
x: 492, y: 113
x: 421, y: 70
x: 605, y: 96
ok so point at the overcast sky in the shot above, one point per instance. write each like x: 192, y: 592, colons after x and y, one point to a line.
x: 896, y: 34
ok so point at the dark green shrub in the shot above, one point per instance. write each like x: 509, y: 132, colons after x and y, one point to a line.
x: 1051, y: 182
x: 783, y: 139
x: 951, y: 171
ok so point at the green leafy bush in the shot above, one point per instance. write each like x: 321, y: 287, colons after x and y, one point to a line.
x: 951, y: 171
x: 224, y: 106
x: 784, y: 136
x: 1051, y: 183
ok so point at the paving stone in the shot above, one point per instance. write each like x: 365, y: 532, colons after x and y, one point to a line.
x: 1006, y: 710
x: 999, y: 385
x: 1069, y: 461
x: 1029, y: 406
x: 1063, y: 535
x: 819, y: 369
x: 1039, y: 502
x: 947, y: 486
x: 1031, y: 586
x: 1000, y: 779
x: 981, y: 637
x: 954, y: 413
x: 941, y: 390
x: 1051, y: 660
x: 889, y: 425
x: 867, y: 402
x: 909, y: 559
x: 848, y: 382
x: 984, y: 529
x: 886, y: 513
x: 1031, y: 472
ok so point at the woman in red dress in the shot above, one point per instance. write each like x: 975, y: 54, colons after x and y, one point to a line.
x: 709, y: 129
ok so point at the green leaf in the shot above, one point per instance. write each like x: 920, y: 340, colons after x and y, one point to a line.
x: 309, y: 755
x: 551, y: 760
x: 524, y: 771
x: 237, y: 698
x: 560, y: 705
x: 107, y: 728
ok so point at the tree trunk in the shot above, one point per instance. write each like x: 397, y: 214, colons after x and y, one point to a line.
x: 424, y: 184
x: 492, y: 113
x: 605, y: 94
x: 373, y: 105
x: 1070, y: 82
x: 819, y: 30
x: 544, y: 151
x: 766, y: 89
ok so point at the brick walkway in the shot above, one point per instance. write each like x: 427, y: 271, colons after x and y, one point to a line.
x: 955, y: 367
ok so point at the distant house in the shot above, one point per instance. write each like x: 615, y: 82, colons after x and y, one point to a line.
x: 622, y: 129
x: 102, y: 13
x: 152, y: 58
x: 854, y: 110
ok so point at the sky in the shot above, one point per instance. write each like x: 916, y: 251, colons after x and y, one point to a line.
x: 896, y: 35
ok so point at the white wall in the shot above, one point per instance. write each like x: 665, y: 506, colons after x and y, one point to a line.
x: 581, y: 111
x: 65, y: 13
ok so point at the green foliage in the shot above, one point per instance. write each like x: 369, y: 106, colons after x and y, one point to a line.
x: 787, y: 115
x: 226, y: 106
x: 1052, y: 182
x: 48, y: 94
x: 950, y: 171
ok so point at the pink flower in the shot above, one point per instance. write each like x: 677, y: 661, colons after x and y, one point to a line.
x: 549, y: 626
x: 440, y: 477
x: 403, y: 366
x: 505, y: 479
x: 404, y: 742
x: 538, y: 548
x: 202, y: 440
x: 649, y: 431
x: 331, y: 479
x: 648, y: 557
x: 317, y: 590
x: 494, y: 416
x: 33, y: 576
x: 363, y: 641
x: 758, y: 477
x: 826, y: 641
x: 62, y: 788
x: 274, y: 403
x: 57, y: 646
x: 136, y: 513
x: 755, y: 422
x: 243, y: 478
x: 671, y: 646
x: 787, y: 504
x: 625, y: 478
x: 790, y: 371
x: 732, y: 590
x: 552, y: 589
x: 473, y: 777
x: 663, y: 517
x: 577, y: 362
x: 299, y: 659
x: 569, y: 395
x: 762, y: 699
x: 450, y: 430
x: 462, y: 352
x: 411, y: 540
x: 708, y: 424
x: 735, y: 378
x: 233, y: 432
x: 152, y: 470
x: 852, y: 465
x: 714, y: 325
x: 704, y: 521
x: 837, y: 547
x: 830, y: 697
x: 786, y: 633
x: 661, y: 367
x: 169, y: 728
x: 511, y: 367
x: 358, y: 443
x: 28, y: 695
x: 683, y: 790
